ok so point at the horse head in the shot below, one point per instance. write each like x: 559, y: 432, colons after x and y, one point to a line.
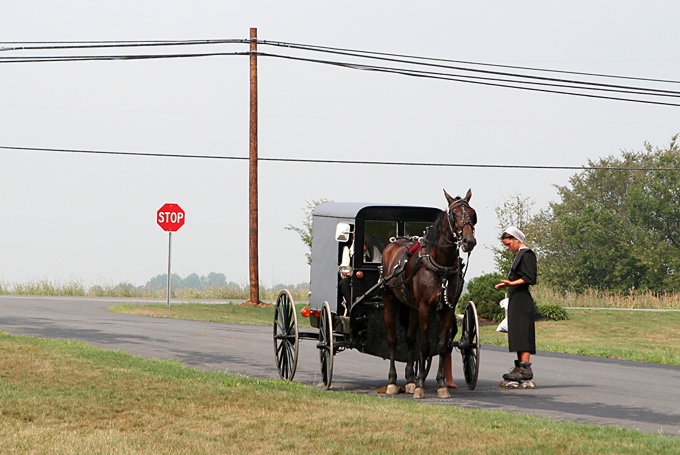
x: 461, y: 220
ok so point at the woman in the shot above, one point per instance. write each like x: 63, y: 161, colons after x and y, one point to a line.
x: 521, y: 329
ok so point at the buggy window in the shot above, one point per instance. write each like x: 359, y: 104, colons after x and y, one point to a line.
x: 416, y: 228
x: 377, y: 234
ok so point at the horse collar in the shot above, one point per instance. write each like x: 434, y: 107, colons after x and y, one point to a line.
x: 430, y: 264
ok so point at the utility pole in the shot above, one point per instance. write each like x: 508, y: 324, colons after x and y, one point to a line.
x: 253, y: 244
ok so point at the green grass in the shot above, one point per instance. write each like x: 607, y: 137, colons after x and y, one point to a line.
x: 643, y: 336
x: 60, y: 397
x: 232, y: 313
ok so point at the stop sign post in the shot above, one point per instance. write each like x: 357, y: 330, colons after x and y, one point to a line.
x: 170, y: 218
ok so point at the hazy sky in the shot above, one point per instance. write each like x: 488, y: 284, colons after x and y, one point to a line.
x: 68, y: 217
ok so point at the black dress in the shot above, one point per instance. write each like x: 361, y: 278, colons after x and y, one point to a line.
x: 521, y: 317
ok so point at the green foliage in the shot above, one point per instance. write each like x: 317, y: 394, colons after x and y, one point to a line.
x: 516, y: 211
x: 617, y: 227
x: 481, y: 291
x: 552, y: 312
x: 305, y: 232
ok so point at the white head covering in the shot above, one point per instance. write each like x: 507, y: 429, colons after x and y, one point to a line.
x: 516, y: 233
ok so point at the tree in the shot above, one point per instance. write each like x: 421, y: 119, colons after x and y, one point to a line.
x: 515, y: 211
x: 305, y: 232
x: 192, y: 281
x: 653, y: 204
x: 215, y: 280
x: 617, y: 227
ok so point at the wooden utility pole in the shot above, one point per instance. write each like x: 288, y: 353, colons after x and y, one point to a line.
x: 254, y: 251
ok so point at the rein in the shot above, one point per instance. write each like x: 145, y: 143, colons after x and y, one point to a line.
x: 425, y: 258
x: 467, y: 221
x: 456, y: 271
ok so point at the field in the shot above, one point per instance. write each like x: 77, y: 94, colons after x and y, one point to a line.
x: 68, y: 398
x: 60, y: 397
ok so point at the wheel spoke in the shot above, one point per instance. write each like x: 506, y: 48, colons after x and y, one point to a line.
x: 470, y: 345
x: 285, y: 336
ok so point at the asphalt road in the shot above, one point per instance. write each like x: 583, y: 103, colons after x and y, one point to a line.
x: 631, y: 395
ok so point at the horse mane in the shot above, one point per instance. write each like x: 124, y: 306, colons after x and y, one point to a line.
x: 435, y: 231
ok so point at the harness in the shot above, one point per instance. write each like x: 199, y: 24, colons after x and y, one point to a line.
x: 426, y: 260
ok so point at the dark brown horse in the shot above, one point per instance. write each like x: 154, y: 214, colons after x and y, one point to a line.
x: 427, y: 277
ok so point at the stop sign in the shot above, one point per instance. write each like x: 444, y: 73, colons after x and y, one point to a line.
x: 170, y: 217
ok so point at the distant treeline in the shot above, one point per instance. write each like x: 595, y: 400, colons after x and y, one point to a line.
x: 212, y: 286
x: 213, y: 280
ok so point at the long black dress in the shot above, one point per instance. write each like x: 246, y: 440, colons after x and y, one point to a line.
x: 521, y: 317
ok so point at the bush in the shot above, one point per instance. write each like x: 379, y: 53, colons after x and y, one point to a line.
x: 481, y: 291
x: 552, y: 312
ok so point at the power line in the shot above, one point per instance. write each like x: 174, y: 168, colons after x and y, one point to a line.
x: 318, y: 161
x: 72, y: 58
x: 52, y: 45
x: 434, y: 59
x: 494, y: 78
x: 403, y: 58
x: 490, y: 82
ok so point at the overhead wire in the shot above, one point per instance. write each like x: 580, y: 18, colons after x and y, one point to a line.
x: 352, y: 162
x: 382, y: 56
x: 435, y: 59
x: 444, y: 71
x: 490, y: 82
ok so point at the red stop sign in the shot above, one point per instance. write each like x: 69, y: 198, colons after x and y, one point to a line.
x: 170, y: 217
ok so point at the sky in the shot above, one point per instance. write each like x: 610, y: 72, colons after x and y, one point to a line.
x: 75, y: 217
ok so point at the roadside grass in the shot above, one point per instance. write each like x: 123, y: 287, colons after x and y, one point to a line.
x: 59, y: 397
x: 643, y: 336
x: 603, y: 299
x: 232, y: 313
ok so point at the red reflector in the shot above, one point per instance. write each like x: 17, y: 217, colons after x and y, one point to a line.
x: 316, y: 313
x: 305, y: 312
x: 360, y: 274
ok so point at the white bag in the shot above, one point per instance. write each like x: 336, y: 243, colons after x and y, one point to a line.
x: 503, y: 326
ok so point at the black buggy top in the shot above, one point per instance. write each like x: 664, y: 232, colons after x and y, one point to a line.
x: 371, y: 227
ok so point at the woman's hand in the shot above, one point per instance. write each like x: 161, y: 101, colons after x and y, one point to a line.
x: 508, y: 283
x: 503, y: 284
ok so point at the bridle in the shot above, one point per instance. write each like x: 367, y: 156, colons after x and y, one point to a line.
x: 466, y: 221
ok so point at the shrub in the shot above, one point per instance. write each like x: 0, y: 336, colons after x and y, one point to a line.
x: 552, y: 312
x: 481, y: 291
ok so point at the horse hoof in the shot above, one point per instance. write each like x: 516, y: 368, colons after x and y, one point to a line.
x: 443, y: 392
x: 392, y: 389
x: 419, y: 393
x: 410, y: 387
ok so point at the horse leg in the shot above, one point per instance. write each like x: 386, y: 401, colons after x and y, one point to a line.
x: 424, y: 323
x: 411, y: 333
x: 391, y: 306
x: 447, y: 322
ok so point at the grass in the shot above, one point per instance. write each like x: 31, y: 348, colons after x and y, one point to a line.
x: 60, y: 397
x: 602, y: 299
x: 77, y: 288
x: 643, y: 336
x: 232, y: 313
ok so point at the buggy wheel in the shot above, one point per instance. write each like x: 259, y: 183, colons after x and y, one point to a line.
x: 469, y: 345
x: 286, y: 337
x: 325, y: 345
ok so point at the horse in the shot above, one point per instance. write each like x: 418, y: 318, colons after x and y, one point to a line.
x: 425, y: 276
